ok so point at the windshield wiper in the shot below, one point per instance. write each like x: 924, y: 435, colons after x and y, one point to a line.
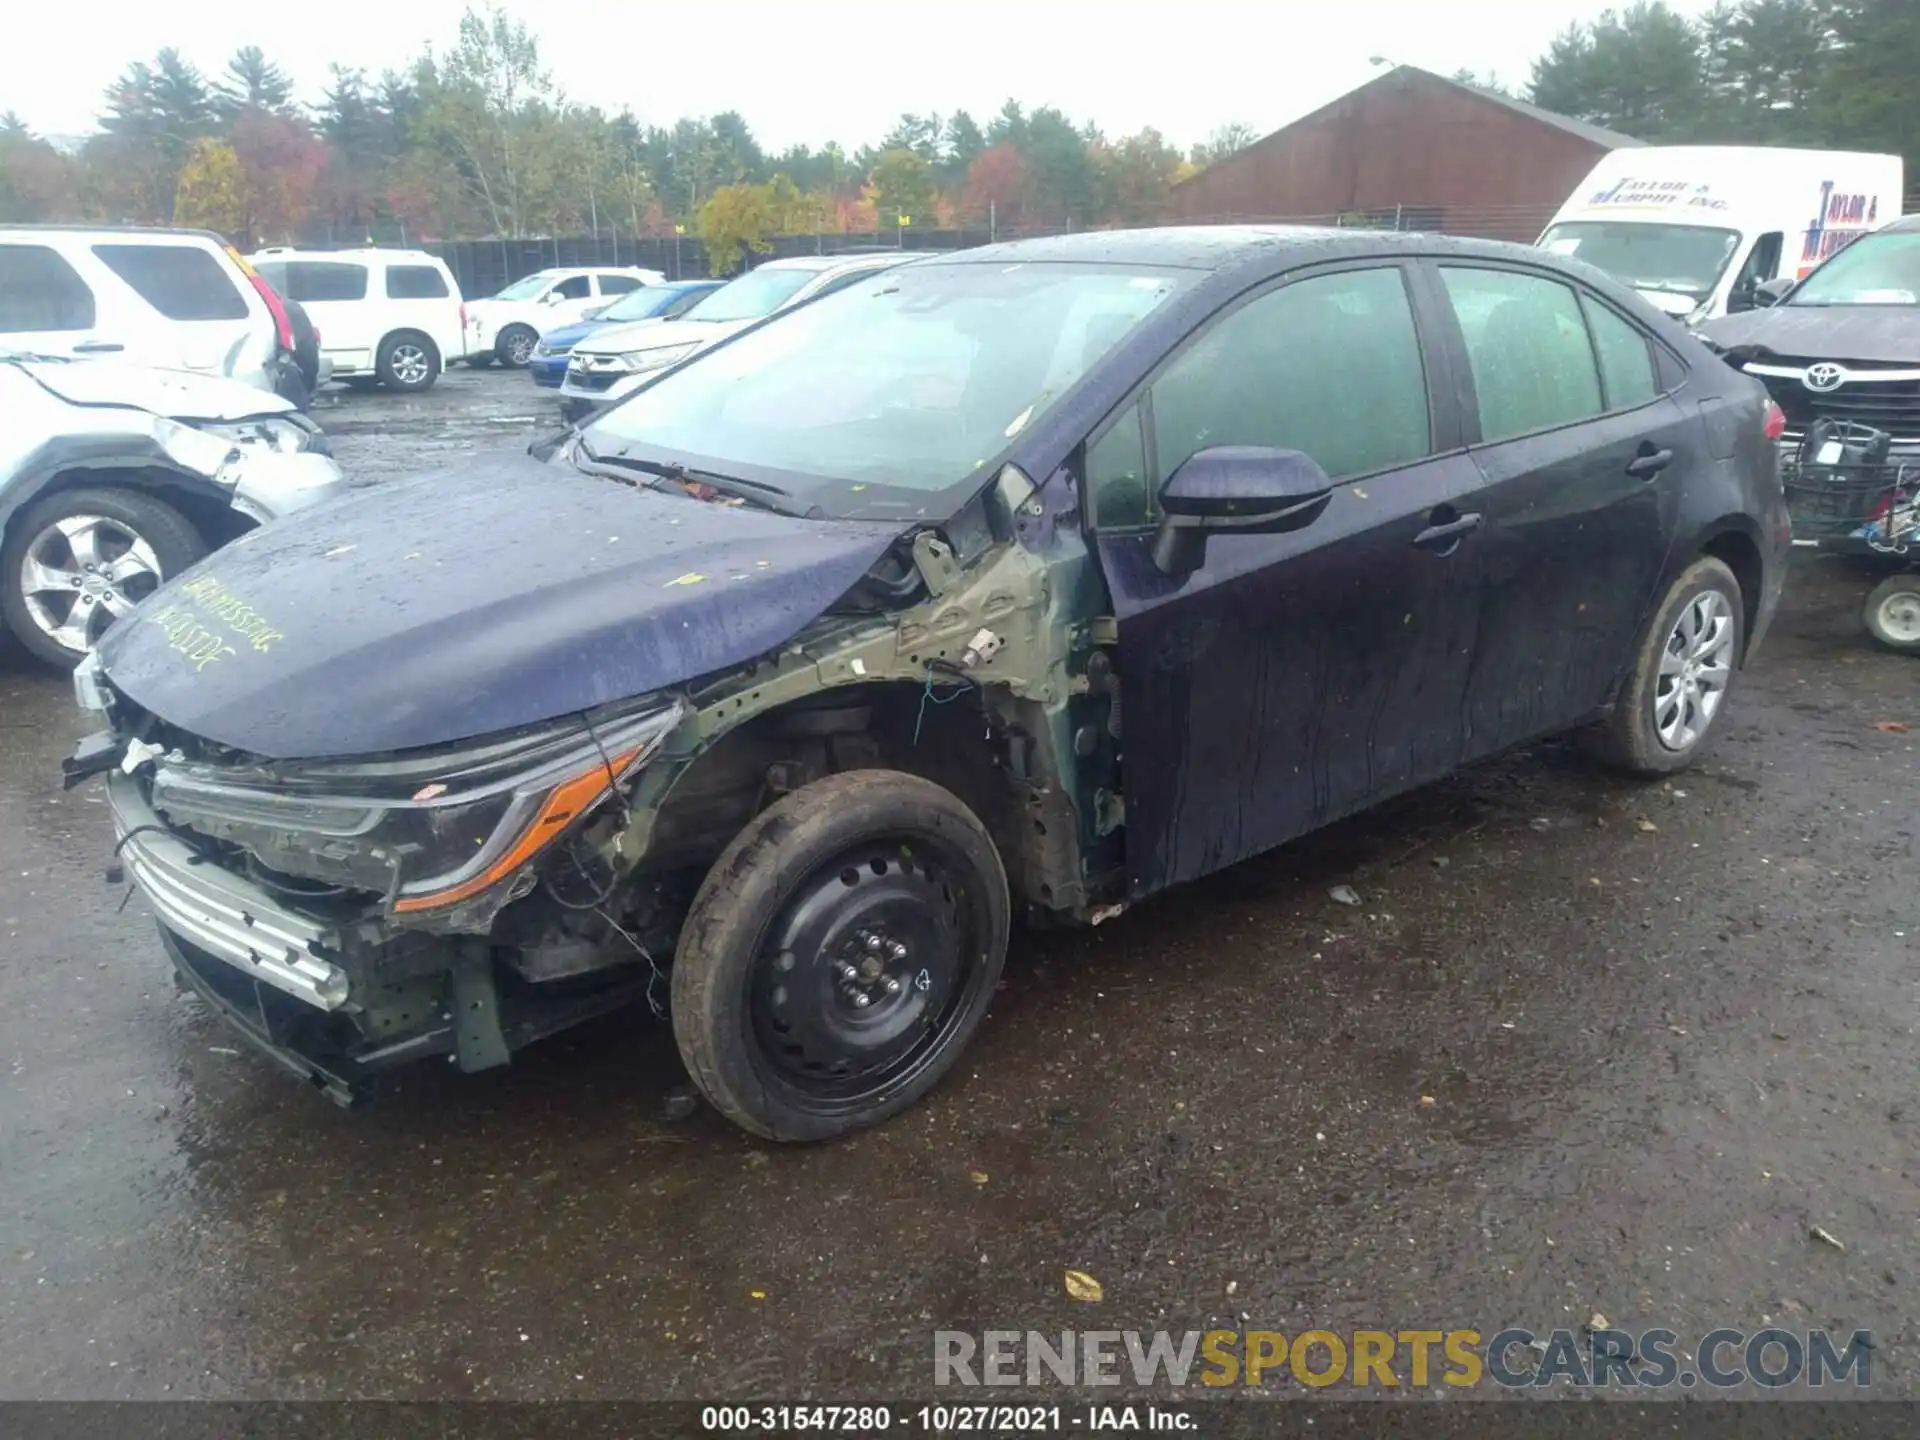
x: 682, y: 478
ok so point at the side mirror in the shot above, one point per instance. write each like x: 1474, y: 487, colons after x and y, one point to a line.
x: 552, y: 297
x: 1772, y: 292
x: 1239, y: 489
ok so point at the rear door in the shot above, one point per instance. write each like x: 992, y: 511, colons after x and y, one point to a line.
x: 1294, y: 678
x: 420, y: 297
x: 335, y: 295
x: 46, y: 304
x: 176, y: 301
x: 1584, y: 453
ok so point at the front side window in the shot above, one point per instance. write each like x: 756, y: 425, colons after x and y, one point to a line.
x: 1329, y: 366
x: 182, y: 282
x: 309, y: 281
x: 1117, y: 475
x: 1527, y: 346
x: 618, y: 284
x: 530, y: 288
x: 1874, y: 270
x: 39, y: 290
x: 867, y: 402
x: 574, y: 287
x: 416, y: 282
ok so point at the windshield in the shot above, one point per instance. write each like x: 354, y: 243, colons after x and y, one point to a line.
x: 904, y: 385
x: 524, y: 289
x: 642, y: 304
x: 754, y: 296
x: 1874, y: 270
x: 1677, y: 259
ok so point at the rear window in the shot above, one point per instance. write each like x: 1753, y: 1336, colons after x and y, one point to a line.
x: 311, y: 280
x: 40, y: 291
x: 415, y: 282
x: 182, y: 282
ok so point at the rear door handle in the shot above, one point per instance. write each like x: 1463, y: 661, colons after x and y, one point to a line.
x: 1649, y: 463
x: 1444, y: 537
x: 98, y: 347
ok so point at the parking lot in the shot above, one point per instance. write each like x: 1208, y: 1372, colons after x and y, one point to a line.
x: 1583, y: 1045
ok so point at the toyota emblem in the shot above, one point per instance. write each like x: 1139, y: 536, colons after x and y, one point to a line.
x: 1825, y: 376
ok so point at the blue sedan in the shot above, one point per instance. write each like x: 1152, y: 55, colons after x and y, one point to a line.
x: 548, y: 364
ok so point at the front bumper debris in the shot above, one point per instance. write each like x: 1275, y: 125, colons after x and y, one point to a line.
x: 228, y: 916
x: 270, y: 485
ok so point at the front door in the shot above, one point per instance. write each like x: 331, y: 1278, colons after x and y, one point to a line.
x: 1293, y: 678
x: 1583, y: 456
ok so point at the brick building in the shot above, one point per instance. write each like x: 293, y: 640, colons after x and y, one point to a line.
x: 1412, y: 149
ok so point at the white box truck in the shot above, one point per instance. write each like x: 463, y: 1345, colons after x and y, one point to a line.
x: 1695, y: 228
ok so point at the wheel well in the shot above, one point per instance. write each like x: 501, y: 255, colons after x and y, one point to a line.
x: 962, y: 739
x: 1739, y: 554
x: 208, y: 512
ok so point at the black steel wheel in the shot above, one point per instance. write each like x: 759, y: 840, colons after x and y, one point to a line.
x: 840, y: 955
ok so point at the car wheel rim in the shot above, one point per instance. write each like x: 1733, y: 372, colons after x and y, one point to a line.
x: 409, y: 364
x: 866, y: 974
x: 81, y: 574
x: 519, y: 348
x: 1696, y: 666
x: 1899, y: 617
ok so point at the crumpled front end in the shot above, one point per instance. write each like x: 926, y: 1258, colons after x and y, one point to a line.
x: 349, y: 918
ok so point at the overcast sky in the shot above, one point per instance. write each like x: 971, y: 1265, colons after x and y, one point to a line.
x: 817, y: 70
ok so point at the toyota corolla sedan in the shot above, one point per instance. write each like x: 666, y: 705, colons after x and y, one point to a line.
x: 1026, y: 581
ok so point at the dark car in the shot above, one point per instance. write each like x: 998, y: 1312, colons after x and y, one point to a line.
x: 1843, y: 343
x: 548, y: 363
x: 1033, y: 579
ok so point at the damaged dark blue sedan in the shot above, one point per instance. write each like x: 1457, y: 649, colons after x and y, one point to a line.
x: 1028, y: 580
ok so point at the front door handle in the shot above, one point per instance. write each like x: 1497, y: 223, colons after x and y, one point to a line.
x: 1444, y: 537
x: 1649, y: 463
x: 98, y: 347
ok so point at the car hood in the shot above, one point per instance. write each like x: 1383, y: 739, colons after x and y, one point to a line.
x: 1881, y: 334
x: 476, y: 600
x: 659, y: 335
x: 177, y: 394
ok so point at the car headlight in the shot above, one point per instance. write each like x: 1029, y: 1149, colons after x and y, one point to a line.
x: 429, y: 830
x: 282, y: 434
x: 643, y: 360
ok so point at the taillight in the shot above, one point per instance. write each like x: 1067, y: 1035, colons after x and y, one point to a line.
x: 1776, y: 425
x: 282, y: 323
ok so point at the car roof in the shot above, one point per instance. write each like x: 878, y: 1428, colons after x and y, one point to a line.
x: 143, y: 231
x: 876, y: 258
x: 1904, y: 225
x: 1225, y: 247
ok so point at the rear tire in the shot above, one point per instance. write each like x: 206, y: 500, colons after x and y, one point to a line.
x: 869, y: 884
x: 515, y: 346
x: 408, y: 362
x: 134, y: 541
x: 1682, y: 675
x: 1892, y: 613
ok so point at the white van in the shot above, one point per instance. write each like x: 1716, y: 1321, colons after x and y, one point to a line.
x: 388, y: 317
x: 1695, y: 228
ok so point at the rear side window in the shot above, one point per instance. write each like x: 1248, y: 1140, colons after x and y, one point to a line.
x: 39, y: 290
x: 1330, y: 366
x: 1533, y: 365
x: 182, y: 282
x: 618, y: 284
x: 1626, y: 359
x: 311, y: 280
x: 415, y: 282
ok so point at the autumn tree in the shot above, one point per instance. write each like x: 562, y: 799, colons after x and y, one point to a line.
x: 1138, y: 173
x: 902, y: 185
x: 1224, y: 141
x: 999, y: 186
x: 735, y: 220
x: 281, y: 162
x: 211, y: 191
x: 37, y: 182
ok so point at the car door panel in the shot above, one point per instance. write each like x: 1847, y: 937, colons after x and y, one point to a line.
x: 1297, y: 678
x: 1294, y: 677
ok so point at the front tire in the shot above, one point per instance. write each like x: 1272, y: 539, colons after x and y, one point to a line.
x: 80, y: 559
x: 1892, y: 613
x: 840, y: 955
x: 1682, y: 674
x: 515, y: 346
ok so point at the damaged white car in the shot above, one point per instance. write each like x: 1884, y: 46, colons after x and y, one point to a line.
x: 114, y: 477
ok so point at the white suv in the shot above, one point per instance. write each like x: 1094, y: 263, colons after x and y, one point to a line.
x: 505, y: 327
x: 178, y: 299
x: 391, y: 317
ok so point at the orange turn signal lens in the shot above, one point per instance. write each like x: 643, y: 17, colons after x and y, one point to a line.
x: 564, y: 804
